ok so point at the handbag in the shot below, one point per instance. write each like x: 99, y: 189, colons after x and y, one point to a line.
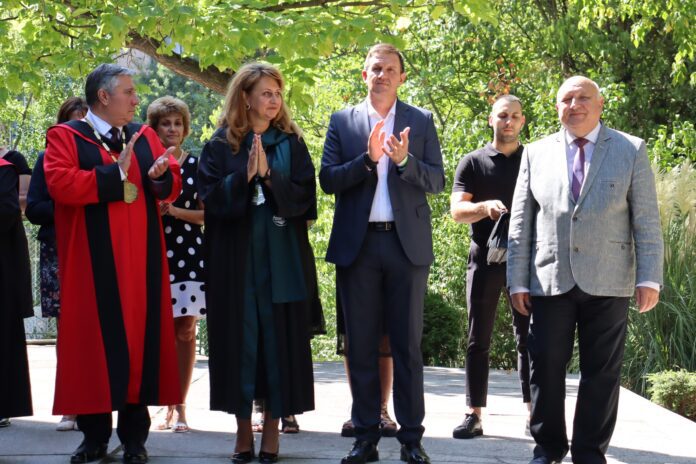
x: 498, y: 240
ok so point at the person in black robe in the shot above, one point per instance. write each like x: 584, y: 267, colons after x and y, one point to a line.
x: 39, y: 211
x: 257, y: 182
x: 15, y: 293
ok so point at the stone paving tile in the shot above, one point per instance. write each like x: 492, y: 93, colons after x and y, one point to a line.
x: 645, y: 433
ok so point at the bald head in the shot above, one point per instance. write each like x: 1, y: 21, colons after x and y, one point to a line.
x: 579, y: 104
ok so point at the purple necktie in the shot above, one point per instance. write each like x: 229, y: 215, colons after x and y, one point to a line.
x: 578, y: 167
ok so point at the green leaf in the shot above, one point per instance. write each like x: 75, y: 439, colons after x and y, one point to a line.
x: 13, y: 83
x: 437, y: 11
x: 306, y: 62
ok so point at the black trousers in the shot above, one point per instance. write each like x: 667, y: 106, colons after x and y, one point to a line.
x: 382, y: 287
x: 601, y: 328
x: 484, y: 283
x: 132, y: 429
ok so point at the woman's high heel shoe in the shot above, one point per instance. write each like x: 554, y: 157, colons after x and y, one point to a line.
x: 267, y: 458
x: 244, y: 457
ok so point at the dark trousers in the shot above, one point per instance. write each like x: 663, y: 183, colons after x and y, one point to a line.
x: 601, y: 328
x: 484, y: 283
x: 132, y: 429
x: 383, y: 287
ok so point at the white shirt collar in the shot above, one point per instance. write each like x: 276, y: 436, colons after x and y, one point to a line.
x: 591, y: 137
x: 102, y: 126
x: 374, y: 114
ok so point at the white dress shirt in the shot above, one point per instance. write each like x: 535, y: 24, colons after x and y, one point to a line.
x: 103, y: 128
x: 381, y: 203
x: 100, y: 125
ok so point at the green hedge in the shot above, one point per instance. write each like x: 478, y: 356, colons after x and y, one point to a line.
x: 674, y: 390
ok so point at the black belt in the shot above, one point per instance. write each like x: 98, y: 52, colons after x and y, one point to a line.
x: 381, y: 226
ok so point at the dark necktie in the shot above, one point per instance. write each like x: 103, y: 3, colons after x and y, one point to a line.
x: 114, y: 139
x: 578, y: 167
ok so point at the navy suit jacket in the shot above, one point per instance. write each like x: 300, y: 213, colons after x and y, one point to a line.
x: 343, y: 173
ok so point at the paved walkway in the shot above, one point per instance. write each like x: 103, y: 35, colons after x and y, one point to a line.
x: 645, y: 433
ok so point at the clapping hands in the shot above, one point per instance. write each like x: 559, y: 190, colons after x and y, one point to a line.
x: 396, y: 150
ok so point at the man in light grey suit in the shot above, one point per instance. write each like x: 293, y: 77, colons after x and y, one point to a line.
x: 584, y: 236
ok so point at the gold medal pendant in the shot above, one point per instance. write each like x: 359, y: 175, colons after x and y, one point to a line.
x: 130, y: 191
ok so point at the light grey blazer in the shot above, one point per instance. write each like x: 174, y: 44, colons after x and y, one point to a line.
x: 607, y: 241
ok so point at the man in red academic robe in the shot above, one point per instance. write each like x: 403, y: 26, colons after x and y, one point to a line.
x: 115, y: 336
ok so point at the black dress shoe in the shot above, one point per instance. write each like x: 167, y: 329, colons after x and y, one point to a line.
x: 135, y: 458
x: 88, y: 452
x: 267, y: 458
x: 243, y: 457
x: 471, y: 427
x: 413, y: 453
x: 363, y: 451
x: 543, y: 460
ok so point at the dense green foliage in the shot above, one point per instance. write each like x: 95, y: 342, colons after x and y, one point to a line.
x: 665, y: 338
x: 674, y: 390
x: 459, y: 56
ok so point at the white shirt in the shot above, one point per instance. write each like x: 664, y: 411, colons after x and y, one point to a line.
x: 381, y: 203
x: 100, y: 125
x: 103, y: 128
x: 570, y: 150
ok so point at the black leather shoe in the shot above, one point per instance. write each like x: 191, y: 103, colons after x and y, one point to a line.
x: 471, y: 427
x: 243, y: 457
x: 267, y: 458
x: 543, y: 460
x: 135, y: 458
x: 413, y: 453
x: 88, y: 453
x: 363, y: 451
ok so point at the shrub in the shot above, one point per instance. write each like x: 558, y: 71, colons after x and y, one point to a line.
x: 443, y: 333
x: 665, y: 338
x: 674, y: 390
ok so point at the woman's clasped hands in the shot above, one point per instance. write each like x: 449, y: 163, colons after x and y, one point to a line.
x: 258, y: 162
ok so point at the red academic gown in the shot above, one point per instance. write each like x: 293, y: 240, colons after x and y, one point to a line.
x: 116, y: 329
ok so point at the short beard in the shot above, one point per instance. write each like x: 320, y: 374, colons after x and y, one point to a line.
x: 502, y: 138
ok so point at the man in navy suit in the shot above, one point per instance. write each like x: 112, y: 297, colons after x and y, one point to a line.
x: 380, y: 159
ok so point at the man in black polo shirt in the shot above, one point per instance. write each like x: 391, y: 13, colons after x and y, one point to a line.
x: 483, y: 187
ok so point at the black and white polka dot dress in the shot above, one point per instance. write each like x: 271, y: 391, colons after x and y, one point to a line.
x: 184, y: 249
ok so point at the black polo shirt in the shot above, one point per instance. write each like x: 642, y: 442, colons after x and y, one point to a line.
x: 487, y: 175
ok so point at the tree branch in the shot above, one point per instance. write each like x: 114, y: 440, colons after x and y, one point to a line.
x: 312, y: 3
x: 189, y: 68
x: 24, y: 119
x: 65, y: 33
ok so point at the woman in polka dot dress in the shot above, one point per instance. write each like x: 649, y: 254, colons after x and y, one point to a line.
x: 182, y: 221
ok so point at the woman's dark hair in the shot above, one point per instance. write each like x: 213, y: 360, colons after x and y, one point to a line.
x: 67, y: 108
